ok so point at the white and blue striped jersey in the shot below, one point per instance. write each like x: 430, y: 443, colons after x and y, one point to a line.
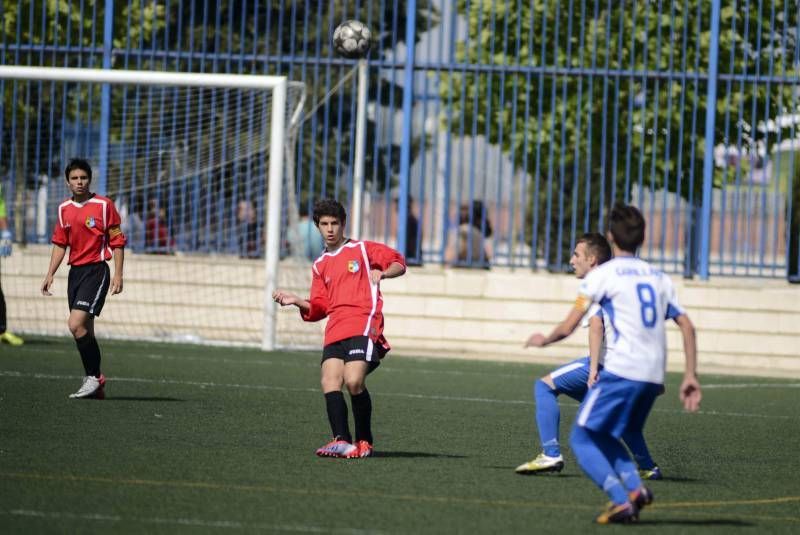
x: 636, y: 299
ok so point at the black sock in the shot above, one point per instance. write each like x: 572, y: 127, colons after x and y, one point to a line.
x: 337, y: 415
x: 90, y: 354
x: 2, y: 312
x: 362, y: 414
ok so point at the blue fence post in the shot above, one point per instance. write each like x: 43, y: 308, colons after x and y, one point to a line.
x: 105, y: 99
x: 408, y: 110
x: 708, y: 156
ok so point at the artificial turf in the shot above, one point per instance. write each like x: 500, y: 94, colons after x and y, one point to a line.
x: 209, y: 439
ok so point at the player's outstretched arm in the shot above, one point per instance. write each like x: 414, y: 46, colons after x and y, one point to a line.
x: 284, y: 298
x: 561, y: 331
x: 690, y: 393
x: 395, y: 269
x: 595, y: 344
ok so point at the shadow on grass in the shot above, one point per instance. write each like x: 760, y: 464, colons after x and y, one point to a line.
x: 510, y: 468
x: 141, y: 398
x: 697, y: 522
x: 415, y: 454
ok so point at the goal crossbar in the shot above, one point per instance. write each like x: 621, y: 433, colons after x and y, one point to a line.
x: 277, y: 85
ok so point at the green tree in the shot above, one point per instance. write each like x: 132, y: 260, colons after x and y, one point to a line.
x: 221, y: 36
x: 612, y: 76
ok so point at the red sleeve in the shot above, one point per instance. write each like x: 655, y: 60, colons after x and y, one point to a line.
x: 382, y: 256
x: 60, y: 234
x: 116, y: 239
x: 318, y: 301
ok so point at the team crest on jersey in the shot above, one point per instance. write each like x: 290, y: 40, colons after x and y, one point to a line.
x: 352, y: 266
x: 90, y: 222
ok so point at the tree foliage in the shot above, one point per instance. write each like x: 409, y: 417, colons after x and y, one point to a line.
x: 616, y: 94
x: 287, y: 37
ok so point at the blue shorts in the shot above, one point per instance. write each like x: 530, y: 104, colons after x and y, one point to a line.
x: 570, y: 379
x: 615, y: 405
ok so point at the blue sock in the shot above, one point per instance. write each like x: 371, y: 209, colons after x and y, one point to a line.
x: 620, y: 460
x: 637, y: 445
x: 548, y: 417
x: 597, y: 463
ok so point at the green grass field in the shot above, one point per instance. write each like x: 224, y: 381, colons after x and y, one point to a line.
x: 207, y: 439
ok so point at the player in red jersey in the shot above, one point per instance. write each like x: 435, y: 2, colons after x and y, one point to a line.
x: 345, y: 288
x: 89, y: 225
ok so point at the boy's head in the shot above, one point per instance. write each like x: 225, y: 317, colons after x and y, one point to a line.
x: 591, y: 250
x: 329, y: 207
x: 626, y: 227
x: 78, y: 164
x: 329, y: 217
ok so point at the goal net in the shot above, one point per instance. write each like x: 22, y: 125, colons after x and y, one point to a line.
x: 196, y: 164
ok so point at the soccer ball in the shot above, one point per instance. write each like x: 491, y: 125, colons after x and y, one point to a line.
x: 351, y: 39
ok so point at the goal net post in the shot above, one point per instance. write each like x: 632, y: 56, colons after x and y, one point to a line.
x: 196, y: 163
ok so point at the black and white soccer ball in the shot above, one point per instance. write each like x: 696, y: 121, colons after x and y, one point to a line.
x: 352, y: 39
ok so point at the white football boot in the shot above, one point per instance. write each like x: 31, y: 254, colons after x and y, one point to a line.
x: 91, y: 387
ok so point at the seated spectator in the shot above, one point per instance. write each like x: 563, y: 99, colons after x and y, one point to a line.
x: 412, y: 253
x: 248, y: 229
x: 156, y: 232
x: 469, y: 247
x: 305, y: 241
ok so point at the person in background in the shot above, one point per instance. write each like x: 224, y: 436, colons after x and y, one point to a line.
x: 6, y: 336
x: 470, y: 247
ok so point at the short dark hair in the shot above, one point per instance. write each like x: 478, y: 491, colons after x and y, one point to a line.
x: 626, y: 224
x: 476, y: 212
x: 597, y: 246
x: 329, y: 207
x: 78, y: 163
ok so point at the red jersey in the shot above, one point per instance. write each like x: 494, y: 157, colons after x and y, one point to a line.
x: 90, y: 230
x: 342, y: 291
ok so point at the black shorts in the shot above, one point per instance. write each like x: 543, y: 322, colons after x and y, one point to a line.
x: 88, y: 286
x: 355, y: 348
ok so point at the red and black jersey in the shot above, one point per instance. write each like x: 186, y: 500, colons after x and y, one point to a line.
x: 90, y: 230
x: 342, y: 291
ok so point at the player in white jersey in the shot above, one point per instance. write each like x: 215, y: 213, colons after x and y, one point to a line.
x: 591, y: 250
x: 635, y: 298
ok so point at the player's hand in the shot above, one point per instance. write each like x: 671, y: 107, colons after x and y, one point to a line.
x: 690, y: 393
x: 48, y: 281
x: 284, y: 298
x: 5, y: 243
x: 116, y: 285
x: 535, y: 340
x: 375, y: 276
x: 592, y: 380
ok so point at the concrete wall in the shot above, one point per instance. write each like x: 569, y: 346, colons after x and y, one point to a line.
x: 744, y: 325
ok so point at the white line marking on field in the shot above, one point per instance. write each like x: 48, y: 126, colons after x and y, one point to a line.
x: 751, y: 385
x: 230, y: 524
x: 203, y: 384
x: 315, y: 364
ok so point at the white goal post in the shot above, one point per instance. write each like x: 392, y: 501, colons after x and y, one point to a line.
x: 276, y: 85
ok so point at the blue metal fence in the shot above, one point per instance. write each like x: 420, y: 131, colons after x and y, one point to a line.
x: 498, y: 132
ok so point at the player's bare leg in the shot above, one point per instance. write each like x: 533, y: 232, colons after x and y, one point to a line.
x: 355, y: 375
x: 332, y: 380
x: 81, y: 325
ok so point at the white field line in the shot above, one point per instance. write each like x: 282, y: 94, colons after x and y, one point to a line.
x: 206, y: 384
x: 750, y: 385
x: 423, y: 371
x: 230, y: 524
